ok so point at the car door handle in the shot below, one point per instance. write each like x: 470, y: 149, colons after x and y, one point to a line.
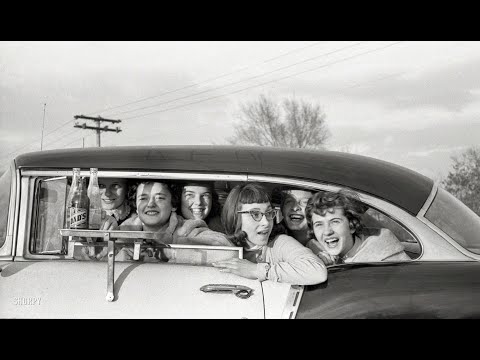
x: 243, y: 292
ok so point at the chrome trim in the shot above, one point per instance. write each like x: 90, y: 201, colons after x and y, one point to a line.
x: 16, y: 217
x: 429, y: 200
x: 293, y: 302
x: 449, y: 239
x: 394, y: 212
x: 25, y: 216
x: 6, y: 250
x: 141, y: 175
x: 293, y: 182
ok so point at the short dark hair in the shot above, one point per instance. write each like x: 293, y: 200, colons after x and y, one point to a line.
x: 209, y: 184
x: 247, y: 193
x: 345, y: 199
x: 172, y: 188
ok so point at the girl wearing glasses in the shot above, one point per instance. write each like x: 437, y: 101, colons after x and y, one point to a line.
x: 248, y: 218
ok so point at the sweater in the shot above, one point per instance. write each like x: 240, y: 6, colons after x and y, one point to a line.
x: 290, y: 262
x: 376, y: 246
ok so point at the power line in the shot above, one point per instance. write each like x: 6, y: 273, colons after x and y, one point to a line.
x: 172, y: 91
x: 268, y: 82
x: 207, y: 80
x: 240, y: 81
x: 214, y: 97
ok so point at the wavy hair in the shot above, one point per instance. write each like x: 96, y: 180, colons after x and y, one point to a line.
x: 172, y: 187
x: 346, y: 199
x: 248, y: 193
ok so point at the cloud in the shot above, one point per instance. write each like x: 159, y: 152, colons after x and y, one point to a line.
x: 427, y: 150
x: 452, y: 88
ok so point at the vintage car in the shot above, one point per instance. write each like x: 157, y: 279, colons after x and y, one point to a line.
x: 40, y: 277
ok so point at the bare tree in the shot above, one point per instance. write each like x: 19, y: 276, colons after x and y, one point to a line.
x: 292, y: 123
x: 464, y: 180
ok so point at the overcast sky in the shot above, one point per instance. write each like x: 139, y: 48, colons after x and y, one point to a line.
x: 412, y: 103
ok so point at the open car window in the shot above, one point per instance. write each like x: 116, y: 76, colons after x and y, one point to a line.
x: 49, y: 217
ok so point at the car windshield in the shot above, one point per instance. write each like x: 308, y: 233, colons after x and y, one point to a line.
x: 456, y: 220
x: 4, y: 200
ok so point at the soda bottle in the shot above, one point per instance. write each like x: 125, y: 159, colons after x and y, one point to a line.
x: 95, y: 210
x: 73, y: 186
x: 79, y: 207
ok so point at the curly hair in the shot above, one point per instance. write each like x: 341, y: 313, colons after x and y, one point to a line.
x: 248, y: 193
x: 215, y: 210
x: 345, y: 199
x: 172, y: 188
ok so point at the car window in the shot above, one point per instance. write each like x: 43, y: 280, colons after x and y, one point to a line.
x: 456, y: 220
x: 374, y: 219
x: 5, y: 183
x: 380, y: 231
x: 49, y: 216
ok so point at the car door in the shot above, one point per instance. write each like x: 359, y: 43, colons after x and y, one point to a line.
x: 77, y: 289
x: 43, y: 282
x: 395, y: 290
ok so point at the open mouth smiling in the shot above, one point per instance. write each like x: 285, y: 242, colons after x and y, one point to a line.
x: 296, y: 218
x: 108, y: 201
x: 198, y: 211
x: 332, y: 242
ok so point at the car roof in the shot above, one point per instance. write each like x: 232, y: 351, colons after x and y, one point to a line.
x: 396, y: 184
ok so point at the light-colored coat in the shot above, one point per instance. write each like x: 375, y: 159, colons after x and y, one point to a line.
x: 380, y: 245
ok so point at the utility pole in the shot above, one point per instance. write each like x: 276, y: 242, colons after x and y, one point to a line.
x: 98, y: 128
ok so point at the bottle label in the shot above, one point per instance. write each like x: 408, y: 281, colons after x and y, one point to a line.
x: 78, y: 218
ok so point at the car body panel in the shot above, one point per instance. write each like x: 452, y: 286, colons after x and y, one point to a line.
x: 399, y: 185
x: 77, y: 289
x: 396, y: 290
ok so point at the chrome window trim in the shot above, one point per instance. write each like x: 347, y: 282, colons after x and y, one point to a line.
x: 32, y: 175
x: 25, y: 216
x: 416, y: 226
x: 448, y: 238
x: 6, y: 251
x: 142, y: 175
x: 393, y: 211
x: 429, y: 200
x: 430, y: 250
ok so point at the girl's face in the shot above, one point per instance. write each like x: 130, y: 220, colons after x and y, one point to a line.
x: 258, y: 232
x: 154, y: 204
x: 196, y: 202
x: 113, y: 192
x: 333, y: 231
x: 294, y: 209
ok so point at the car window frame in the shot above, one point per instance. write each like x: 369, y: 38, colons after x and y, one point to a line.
x: 394, y: 212
x: 451, y: 241
x: 7, y: 249
x: 29, y: 178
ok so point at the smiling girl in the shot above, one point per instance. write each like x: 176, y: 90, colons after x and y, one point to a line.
x: 334, y: 219
x: 248, y: 218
